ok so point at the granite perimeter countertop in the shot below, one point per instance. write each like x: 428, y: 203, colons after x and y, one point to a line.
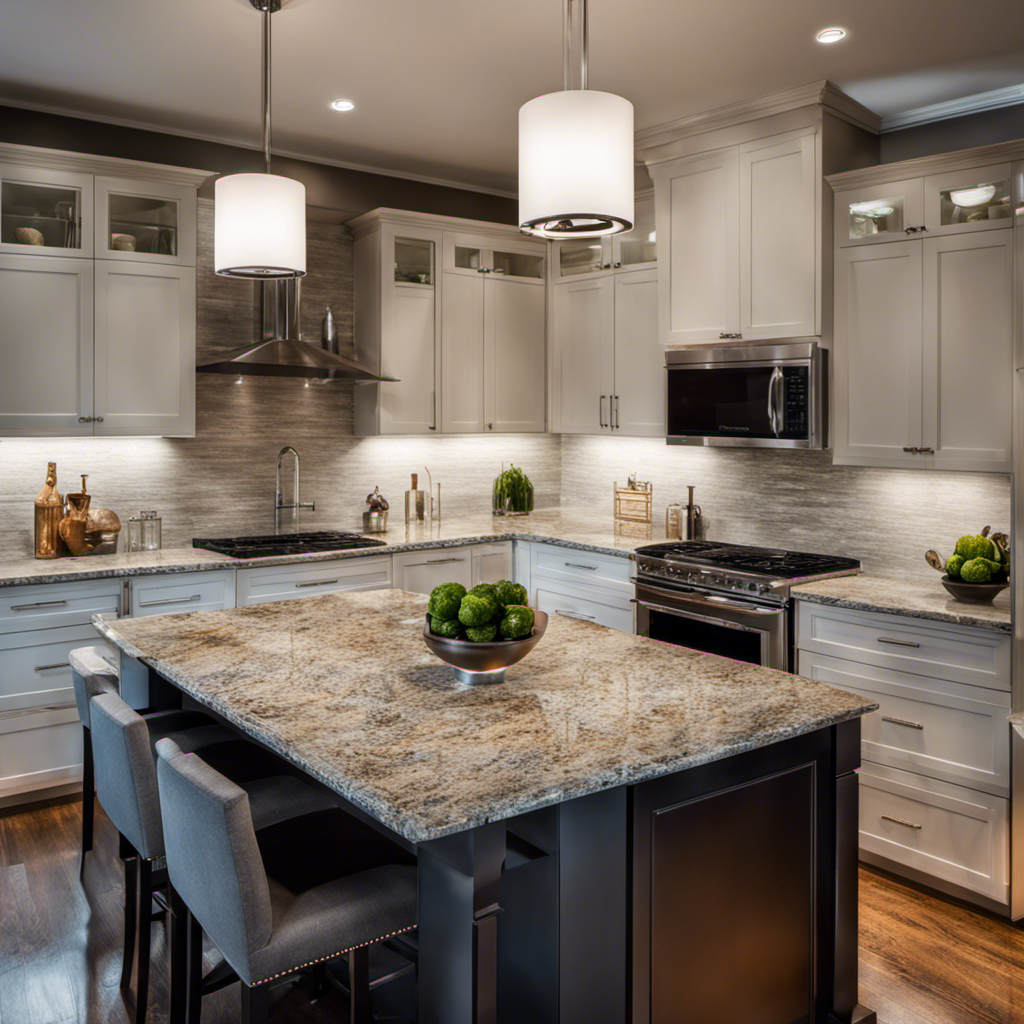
x: 907, y: 597
x: 550, y: 526
x: 343, y: 686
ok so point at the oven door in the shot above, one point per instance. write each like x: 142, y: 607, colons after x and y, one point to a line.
x: 716, y: 624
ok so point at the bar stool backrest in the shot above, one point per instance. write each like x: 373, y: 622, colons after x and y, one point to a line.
x: 91, y: 675
x: 125, y: 773
x: 213, y: 860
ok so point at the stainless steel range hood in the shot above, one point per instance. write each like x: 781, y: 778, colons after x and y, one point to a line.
x: 281, y: 352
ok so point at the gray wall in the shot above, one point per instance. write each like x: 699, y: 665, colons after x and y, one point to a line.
x: 983, y: 129
x: 887, y: 518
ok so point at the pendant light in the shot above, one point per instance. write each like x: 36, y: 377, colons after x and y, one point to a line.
x: 576, y: 153
x: 260, y: 219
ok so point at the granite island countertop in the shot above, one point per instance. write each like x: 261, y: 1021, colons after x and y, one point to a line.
x: 343, y: 686
x: 571, y: 530
x: 912, y: 598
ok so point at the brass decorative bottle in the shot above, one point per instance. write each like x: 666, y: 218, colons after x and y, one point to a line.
x: 49, y: 507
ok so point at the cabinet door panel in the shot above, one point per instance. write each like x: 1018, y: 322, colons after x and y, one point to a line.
x: 157, y: 220
x: 639, y: 357
x: 878, y: 354
x: 585, y: 329
x: 145, y: 349
x: 421, y: 571
x: 879, y: 214
x: 978, y: 199
x: 515, y: 355
x: 46, y: 346
x: 968, y: 387
x: 462, y: 353
x: 492, y: 562
x: 697, y: 202
x: 409, y: 407
x: 779, y: 238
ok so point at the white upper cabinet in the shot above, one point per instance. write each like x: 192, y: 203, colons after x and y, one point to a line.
x: 145, y: 350
x: 456, y: 311
x: 697, y: 202
x: 879, y: 213
x: 635, y: 249
x: 145, y: 221
x: 45, y: 211
x: 640, y: 381
x: 46, y: 346
x: 780, y: 237
x: 976, y: 199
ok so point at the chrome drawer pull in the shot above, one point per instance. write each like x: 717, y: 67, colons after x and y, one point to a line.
x: 897, y: 643
x: 580, y: 565
x: 900, y: 821
x: 46, y: 668
x: 38, y: 604
x: 574, y: 615
x: 170, y: 600
x: 903, y: 721
x: 442, y: 561
x: 317, y: 583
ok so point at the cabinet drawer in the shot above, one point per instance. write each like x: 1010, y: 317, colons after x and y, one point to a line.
x: 40, y: 749
x: 46, y: 606
x: 183, y: 592
x: 34, y: 667
x: 420, y: 571
x: 952, y: 833
x: 286, y: 582
x: 975, y: 656
x: 946, y: 730
x: 584, y: 568
x: 606, y: 610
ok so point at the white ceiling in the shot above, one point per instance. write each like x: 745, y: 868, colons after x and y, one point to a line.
x: 438, y: 83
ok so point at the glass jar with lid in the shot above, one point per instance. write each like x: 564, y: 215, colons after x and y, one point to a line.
x: 145, y: 532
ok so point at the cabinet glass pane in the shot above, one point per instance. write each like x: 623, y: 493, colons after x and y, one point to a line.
x: 967, y: 204
x: 582, y: 257
x: 414, y: 261
x: 142, y: 224
x: 32, y: 213
x: 877, y: 217
x: 518, y: 264
x: 639, y: 245
x: 467, y: 258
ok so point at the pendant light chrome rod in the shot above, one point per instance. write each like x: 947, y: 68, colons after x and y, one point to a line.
x: 585, y: 47
x: 266, y: 85
x: 567, y: 45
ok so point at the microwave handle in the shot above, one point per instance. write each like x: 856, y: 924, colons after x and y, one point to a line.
x: 774, y: 415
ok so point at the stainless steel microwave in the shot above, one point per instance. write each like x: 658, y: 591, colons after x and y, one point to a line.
x: 750, y: 396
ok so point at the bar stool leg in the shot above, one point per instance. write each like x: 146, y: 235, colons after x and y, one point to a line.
x: 255, y: 1004
x: 359, y: 985
x: 131, y: 865
x: 143, y: 936
x: 88, y: 797
x: 193, y: 968
x: 178, y: 942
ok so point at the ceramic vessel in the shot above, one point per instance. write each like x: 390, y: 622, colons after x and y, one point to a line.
x: 28, y: 236
x: 484, y: 663
x: 122, y: 243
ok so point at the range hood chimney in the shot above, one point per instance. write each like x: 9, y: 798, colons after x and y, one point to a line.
x: 280, y: 350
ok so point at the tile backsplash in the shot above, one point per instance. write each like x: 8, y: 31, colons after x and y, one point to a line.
x: 887, y: 518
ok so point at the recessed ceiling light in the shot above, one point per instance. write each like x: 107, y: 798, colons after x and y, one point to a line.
x: 831, y: 35
x: 349, y: 105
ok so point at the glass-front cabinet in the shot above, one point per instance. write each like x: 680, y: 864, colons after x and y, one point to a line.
x: 973, y: 200
x: 472, y: 254
x: 45, y: 212
x: 881, y: 213
x: 635, y: 249
x: 145, y: 222
x: 414, y: 261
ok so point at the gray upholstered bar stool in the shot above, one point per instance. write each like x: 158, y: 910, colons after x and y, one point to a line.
x: 278, y: 899
x: 127, y: 789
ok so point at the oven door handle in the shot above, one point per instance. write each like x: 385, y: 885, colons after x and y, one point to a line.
x: 709, y: 603
x: 680, y: 613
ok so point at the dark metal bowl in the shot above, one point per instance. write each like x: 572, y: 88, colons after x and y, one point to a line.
x: 484, y: 663
x: 974, y: 593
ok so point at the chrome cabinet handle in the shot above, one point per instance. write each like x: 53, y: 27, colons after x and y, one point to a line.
x: 317, y: 583
x: 170, y: 600
x: 606, y: 266
x: 903, y: 721
x: 46, y: 668
x: 617, y: 265
x: 920, y: 451
x: 730, y: 336
x: 85, y: 419
x: 897, y: 643
x: 37, y: 604
x: 600, y: 411
x: 580, y: 565
x: 900, y: 821
x: 616, y: 397
x: 915, y: 230
x: 433, y: 411
x: 574, y: 615
x: 97, y: 419
x: 441, y: 561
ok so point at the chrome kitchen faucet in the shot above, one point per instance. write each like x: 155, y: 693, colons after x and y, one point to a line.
x: 297, y: 502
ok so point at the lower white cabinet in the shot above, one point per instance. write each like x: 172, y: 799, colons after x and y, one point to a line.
x: 492, y: 562
x: 605, y: 609
x: 420, y: 571
x: 287, y: 582
x: 181, y: 592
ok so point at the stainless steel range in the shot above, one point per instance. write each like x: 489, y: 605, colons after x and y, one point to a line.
x: 727, y: 599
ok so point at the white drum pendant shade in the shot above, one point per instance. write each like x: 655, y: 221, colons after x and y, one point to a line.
x: 259, y: 226
x: 576, y: 164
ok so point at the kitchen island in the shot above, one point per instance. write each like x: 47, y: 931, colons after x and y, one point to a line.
x: 623, y: 831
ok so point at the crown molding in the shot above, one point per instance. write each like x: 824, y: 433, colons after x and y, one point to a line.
x: 960, y: 107
x: 64, y: 160
x: 249, y: 145
x: 940, y: 163
x: 823, y: 94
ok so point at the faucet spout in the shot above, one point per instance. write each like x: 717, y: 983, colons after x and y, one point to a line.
x: 297, y: 501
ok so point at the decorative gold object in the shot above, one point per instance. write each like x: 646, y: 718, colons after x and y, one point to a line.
x: 101, y: 529
x: 634, y: 502
x: 49, y: 511
x: 29, y: 236
x: 74, y: 525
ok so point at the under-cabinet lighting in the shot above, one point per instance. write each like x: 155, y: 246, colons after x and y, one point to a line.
x: 831, y: 35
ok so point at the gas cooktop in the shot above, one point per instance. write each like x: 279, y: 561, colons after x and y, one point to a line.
x: 286, y: 543
x: 751, y: 561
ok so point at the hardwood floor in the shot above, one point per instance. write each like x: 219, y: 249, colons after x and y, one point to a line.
x: 923, y: 961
